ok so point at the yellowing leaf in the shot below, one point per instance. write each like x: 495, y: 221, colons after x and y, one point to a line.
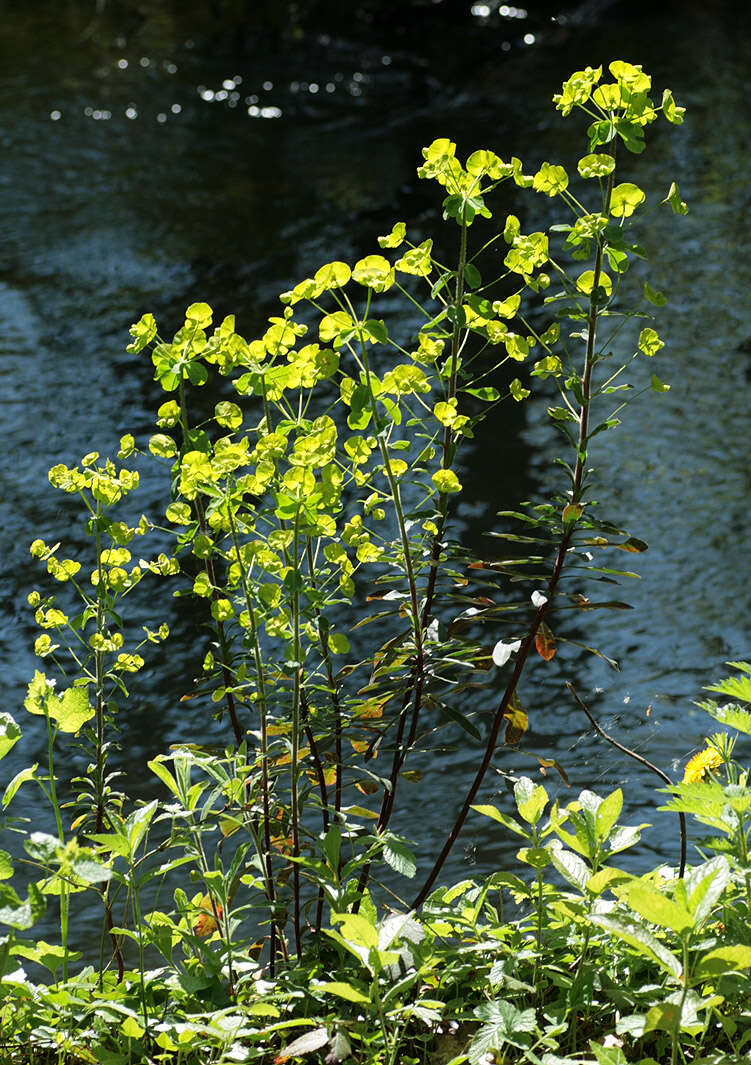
x: 545, y: 642
x: 517, y: 722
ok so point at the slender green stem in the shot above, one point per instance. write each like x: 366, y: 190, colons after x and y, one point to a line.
x: 212, y: 579
x: 135, y: 903
x: 295, y: 753
x: 64, y: 894
x: 266, y: 854
x: 333, y: 688
x: 676, y: 1034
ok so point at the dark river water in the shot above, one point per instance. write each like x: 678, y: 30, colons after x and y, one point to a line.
x: 149, y: 161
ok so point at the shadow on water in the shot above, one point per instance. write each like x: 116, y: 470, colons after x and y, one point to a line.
x: 157, y: 154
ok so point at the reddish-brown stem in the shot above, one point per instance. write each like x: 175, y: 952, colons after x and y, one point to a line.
x: 542, y: 610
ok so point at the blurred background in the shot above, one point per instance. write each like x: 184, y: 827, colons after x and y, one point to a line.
x: 157, y: 153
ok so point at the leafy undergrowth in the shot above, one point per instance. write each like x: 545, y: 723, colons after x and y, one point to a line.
x: 595, y: 965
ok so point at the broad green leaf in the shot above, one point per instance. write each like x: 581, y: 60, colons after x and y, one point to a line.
x: 705, y: 885
x: 531, y: 799
x: 550, y: 179
x: 131, y: 1029
x: 398, y: 855
x: 730, y: 959
x: 642, y: 941
x: 655, y: 298
x: 50, y: 955
x: 602, y: 880
x: 43, y: 847
x: 18, y: 914
x: 670, y: 109
x: 487, y: 395
x: 6, y: 866
x: 395, y: 237
x: 502, y: 819
x: 356, y: 929
x: 658, y: 909
x: 608, y: 813
x: 375, y: 272
x: 10, y: 733
x: 585, y: 282
x: 571, y: 867
x: 113, y: 842
x: 537, y: 857
x: 228, y: 415
x: 162, y: 446
x: 608, y: 1055
x: 90, y: 871
x: 70, y: 710
x: 19, y: 779
x: 341, y: 990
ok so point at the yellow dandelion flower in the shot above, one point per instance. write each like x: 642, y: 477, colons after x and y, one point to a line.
x: 701, y: 764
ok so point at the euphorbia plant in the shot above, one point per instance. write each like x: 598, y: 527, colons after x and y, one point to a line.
x: 313, y: 508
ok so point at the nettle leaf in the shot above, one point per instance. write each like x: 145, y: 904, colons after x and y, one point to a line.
x: 504, y: 1024
x: 18, y: 914
x: 735, y: 687
x: 399, y: 856
x: 571, y: 867
x: 642, y: 941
